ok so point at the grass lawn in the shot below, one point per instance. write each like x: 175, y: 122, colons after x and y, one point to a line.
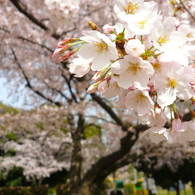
x: 165, y: 192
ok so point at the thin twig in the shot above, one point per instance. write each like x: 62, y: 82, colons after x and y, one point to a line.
x: 29, y: 84
x: 23, y: 9
x: 109, y: 110
x: 69, y: 85
x: 187, y: 10
x: 33, y: 42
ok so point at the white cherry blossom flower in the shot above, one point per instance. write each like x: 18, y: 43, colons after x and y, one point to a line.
x: 169, y: 42
x: 139, y: 101
x: 80, y: 66
x: 173, y: 81
x: 134, y: 47
x: 121, y: 97
x: 98, y: 47
x: 188, y: 30
x: 111, y: 88
x: 119, y: 27
x: 183, y: 131
x: 143, y: 23
x: 127, y: 7
x: 133, y: 70
x: 161, y: 34
x: 143, y: 119
x: 130, y: 9
x: 157, y: 118
x: 158, y: 134
x: 175, y: 49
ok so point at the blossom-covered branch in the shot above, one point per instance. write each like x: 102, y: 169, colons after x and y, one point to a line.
x: 147, y: 60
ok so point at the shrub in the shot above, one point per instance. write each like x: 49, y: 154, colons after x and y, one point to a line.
x: 33, y: 190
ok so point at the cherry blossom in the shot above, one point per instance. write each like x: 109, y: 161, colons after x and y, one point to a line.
x: 134, y: 47
x: 109, y: 89
x: 183, y: 131
x: 146, y: 60
x: 158, y: 134
x: 139, y: 101
x: 79, y: 66
x: 141, y: 50
x: 143, y: 23
x: 101, y: 48
x: 131, y: 71
x: 173, y: 81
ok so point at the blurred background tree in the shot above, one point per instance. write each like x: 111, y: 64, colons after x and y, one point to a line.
x: 76, y: 137
x: 99, y: 136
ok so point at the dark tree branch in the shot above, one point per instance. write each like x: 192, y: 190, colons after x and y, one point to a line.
x: 20, y: 6
x: 23, y: 10
x: 90, y: 13
x: 102, y: 119
x: 30, y: 41
x: 116, y: 165
x: 68, y: 81
x: 29, y: 84
x: 65, y: 32
x: 62, y: 149
x: 4, y: 30
x: 106, y: 165
x: 107, y: 161
x: 33, y: 42
x: 109, y: 110
x: 58, y: 91
x: 187, y: 10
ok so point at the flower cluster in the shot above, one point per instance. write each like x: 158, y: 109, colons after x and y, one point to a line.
x: 147, y: 61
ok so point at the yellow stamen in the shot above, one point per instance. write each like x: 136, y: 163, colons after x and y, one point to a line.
x: 163, y: 39
x: 157, y: 66
x: 140, y: 97
x: 114, y: 86
x: 131, y: 8
x: 157, y: 116
x: 159, y: 135
x: 101, y: 46
x: 184, y: 132
x: 189, y: 35
x: 181, y: 47
x: 133, y: 69
x: 142, y: 23
x: 172, y: 83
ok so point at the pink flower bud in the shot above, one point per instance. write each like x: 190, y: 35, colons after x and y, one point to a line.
x: 66, y: 41
x: 157, y: 109
x: 66, y: 56
x: 59, y: 57
x: 59, y: 54
x: 102, y: 87
x: 97, y: 76
x: 108, y: 29
x: 100, y: 75
x: 92, y: 88
x: 60, y: 51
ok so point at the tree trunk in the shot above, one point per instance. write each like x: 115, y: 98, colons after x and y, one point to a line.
x: 193, y: 187
x: 176, y: 186
x: 76, y: 158
x: 85, y: 189
x: 184, y: 189
x: 94, y: 177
